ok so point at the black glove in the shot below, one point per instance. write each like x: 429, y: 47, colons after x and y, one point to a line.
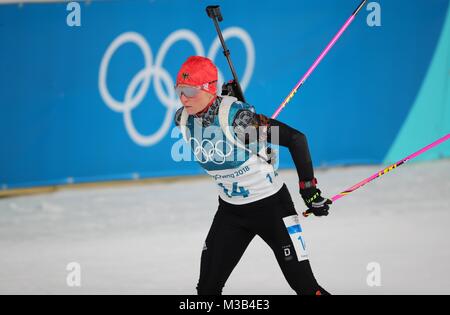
x: 316, y: 204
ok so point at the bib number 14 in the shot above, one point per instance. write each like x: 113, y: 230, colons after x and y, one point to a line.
x: 237, y: 191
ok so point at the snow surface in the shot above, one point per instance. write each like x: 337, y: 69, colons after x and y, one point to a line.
x: 147, y: 238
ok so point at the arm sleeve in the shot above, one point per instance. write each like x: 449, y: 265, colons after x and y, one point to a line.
x: 297, y: 144
x: 278, y: 133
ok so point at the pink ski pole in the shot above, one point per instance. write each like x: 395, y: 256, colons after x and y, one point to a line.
x: 318, y: 60
x: 386, y: 170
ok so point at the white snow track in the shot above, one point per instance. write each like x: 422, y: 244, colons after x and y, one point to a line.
x: 147, y: 239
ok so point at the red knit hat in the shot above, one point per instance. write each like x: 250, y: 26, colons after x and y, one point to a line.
x: 199, y: 71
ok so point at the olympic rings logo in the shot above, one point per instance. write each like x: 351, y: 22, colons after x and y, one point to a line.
x: 207, y: 151
x: 138, y: 87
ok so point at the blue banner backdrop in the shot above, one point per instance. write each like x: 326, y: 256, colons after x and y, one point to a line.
x: 96, y: 102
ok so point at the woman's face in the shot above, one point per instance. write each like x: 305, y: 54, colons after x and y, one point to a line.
x: 197, y: 103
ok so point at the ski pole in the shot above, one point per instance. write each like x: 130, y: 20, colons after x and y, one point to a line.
x: 386, y: 170
x: 318, y: 60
